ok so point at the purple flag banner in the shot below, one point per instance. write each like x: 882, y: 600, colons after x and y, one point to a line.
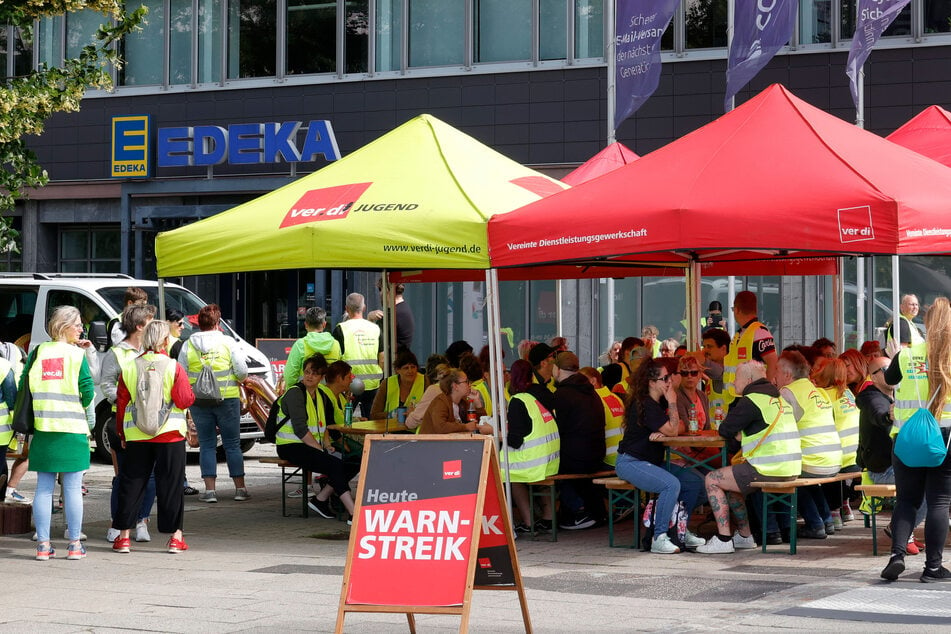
x: 873, y: 18
x: 760, y: 29
x: 639, y: 25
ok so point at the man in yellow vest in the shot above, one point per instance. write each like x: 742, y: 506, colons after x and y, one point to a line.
x: 542, y: 358
x: 716, y: 345
x: 764, y: 425
x: 752, y: 341
x: 361, y: 347
x: 818, y: 437
x: 908, y: 333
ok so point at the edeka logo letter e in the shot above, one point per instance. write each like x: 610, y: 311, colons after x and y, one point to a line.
x: 329, y: 203
x: 855, y: 224
x: 52, y: 369
x: 451, y: 469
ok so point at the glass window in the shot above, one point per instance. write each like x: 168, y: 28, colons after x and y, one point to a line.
x: 81, y: 28
x: 3, y: 51
x: 589, y: 29
x: 436, y: 32
x: 389, y: 34
x: 49, y: 46
x: 311, y: 37
x: 815, y: 21
x: 357, y: 32
x: 210, y: 33
x: 552, y: 29
x: 252, y: 38
x: 937, y: 16
x: 705, y: 23
x: 92, y: 249
x: 144, y: 50
x: 900, y: 27
x: 181, y: 13
x: 503, y: 29
x: 22, y: 54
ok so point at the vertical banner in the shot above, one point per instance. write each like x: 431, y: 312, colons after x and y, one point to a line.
x: 638, y: 28
x: 874, y: 16
x: 761, y: 28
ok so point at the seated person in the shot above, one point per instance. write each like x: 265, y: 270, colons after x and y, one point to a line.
x: 766, y: 429
x: 403, y: 389
x: 415, y: 417
x: 443, y: 415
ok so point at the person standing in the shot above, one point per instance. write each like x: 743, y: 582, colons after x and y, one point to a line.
x: 751, y: 342
x: 62, y: 388
x: 542, y: 358
x: 316, y: 340
x: 716, y: 345
x: 908, y: 333
x: 931, y: 484
x: 210, y: 346
x: 162, y: 452
x: 362, y: 348
x: 405, y: 323
x: 8, y: 395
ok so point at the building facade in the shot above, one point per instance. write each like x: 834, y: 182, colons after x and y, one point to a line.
x: 526, y: 77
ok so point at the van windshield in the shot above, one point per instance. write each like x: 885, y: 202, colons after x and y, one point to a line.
x: 179, y: 298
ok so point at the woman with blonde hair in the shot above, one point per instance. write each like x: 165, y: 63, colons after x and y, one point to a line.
x: 62, y: 388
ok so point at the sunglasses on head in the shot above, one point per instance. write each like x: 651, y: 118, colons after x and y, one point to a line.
x: 689, y: 373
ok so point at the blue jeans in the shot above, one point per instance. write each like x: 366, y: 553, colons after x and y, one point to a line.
x: 209, y: 422
x: 680, y: 484
x: 72, y: 502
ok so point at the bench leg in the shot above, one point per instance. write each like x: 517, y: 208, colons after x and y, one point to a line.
x: 283, y: 491
x: 554, y: 513
x: 611, y: 500
x: 793, y: 524
x: 875, y: 500
x: 765, y: 513
x: 633, y: 498
x: 305, y: 488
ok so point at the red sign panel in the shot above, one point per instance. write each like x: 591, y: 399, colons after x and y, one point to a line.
x: 329, y: 203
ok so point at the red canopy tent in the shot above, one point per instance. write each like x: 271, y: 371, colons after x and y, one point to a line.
x: 607, y: 160
x: 928, y: 133
x: 776, y: 178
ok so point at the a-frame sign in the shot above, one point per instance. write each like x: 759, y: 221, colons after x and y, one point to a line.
x: 430, y: 526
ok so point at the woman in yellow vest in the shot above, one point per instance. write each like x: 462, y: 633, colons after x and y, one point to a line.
x: 304, y: 441
x: 931, y: 484
x: 613, y: 414
x: 8, y: 395
x: 403, y: 389
x: 162, y: 451
x: 534, y: 447
x: 62, y: 388
x: 830, y: 376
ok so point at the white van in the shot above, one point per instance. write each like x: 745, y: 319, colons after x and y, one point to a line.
x: 28, y: 299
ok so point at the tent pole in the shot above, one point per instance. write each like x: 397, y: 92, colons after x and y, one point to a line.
x: 896, y: 301
x: 388, y: 323
x: 497, y: 389
x: 161, y: 298
x: 838, y: 307
x: 730, y: 296
x: 610, y: 320
x: 559, y: 315
x: 693, y: 305
x: 611, y: 11
x: 860, y: 335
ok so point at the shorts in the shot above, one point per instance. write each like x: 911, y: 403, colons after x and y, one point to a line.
x: 745, y: 475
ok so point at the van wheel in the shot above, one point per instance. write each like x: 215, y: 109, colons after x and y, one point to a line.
x: 247, y: 444
x: 101, y: 438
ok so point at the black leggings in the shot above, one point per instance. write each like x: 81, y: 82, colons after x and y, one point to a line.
x: 317, y: 461
x: 911, y: 485
x: 168, y: 461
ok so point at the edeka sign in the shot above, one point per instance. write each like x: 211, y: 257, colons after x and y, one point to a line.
x: 245, y: 144
x: 130, y: 146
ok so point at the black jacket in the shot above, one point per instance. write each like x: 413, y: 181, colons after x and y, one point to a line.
x: 579, y: 413
x: 875, y: 423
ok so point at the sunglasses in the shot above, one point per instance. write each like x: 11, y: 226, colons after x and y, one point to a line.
x: 878, y: 370
x: 664, y: 378
x: 466, y: 382
x: 689, y: 373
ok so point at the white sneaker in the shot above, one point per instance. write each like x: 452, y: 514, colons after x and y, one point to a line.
x: 82, y: 535
x: 716, y: 546
x: 15, y: 496
x: 296, y: 493
x: 740, y: 542
x: 142, y: 532
x: 208, y: 496
x: 112, y: 535
x: 663, y: 546
x: 694, y: 541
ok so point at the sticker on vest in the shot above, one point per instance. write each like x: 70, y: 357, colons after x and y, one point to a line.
x: 52, y: 369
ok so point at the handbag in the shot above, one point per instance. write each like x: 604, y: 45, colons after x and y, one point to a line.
x: 919, y: 442
x: 23, y: 406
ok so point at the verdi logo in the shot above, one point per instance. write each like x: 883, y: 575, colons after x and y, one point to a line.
x: 855, y: 224
x: 329, y: 203
x: 52, y: 369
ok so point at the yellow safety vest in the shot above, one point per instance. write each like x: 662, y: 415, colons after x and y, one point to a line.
x: 483, y: 389
x: 124, y: 356
x: 916, y: 337
x: 316, y: 421
x: 54, y: 381
x: 613, y: 423
x: 912, y: 392
x: 337, y: 402
x: 361, y: 345
x: 539, y: 455
x: 176, y: 417
x: 393, y: 393
x: 846, y: 423
x: 219, y: 358
x: 6, y: 416
x: 714, y: 398
x: 818, y: 437
x: 741, y: 350
x: 779, y: 455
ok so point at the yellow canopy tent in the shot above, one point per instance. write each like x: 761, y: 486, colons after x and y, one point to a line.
x: 418, y: 197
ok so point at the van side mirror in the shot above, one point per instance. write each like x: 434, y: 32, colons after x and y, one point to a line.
x: 99, y: 336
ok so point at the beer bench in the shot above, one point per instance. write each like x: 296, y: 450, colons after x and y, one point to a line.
x: 288, y: 472
x: 550, y: 483
x: 622, y: 491
x: 877, y: 493
x: 786, y: 493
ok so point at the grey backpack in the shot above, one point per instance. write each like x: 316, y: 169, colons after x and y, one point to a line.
x: 150, y: 410
x: 206, y: 385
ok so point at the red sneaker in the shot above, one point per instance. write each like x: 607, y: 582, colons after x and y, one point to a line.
x: 176, y: 545
x: 911, y: 548
x: 122, y: 545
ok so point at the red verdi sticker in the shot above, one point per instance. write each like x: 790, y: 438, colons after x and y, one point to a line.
x: 52, y: 369
x: 329, y: 203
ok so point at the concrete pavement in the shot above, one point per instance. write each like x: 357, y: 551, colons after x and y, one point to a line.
x: 249, y: 569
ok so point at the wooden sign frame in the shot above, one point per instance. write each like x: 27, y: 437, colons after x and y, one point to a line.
x: 489, y: 484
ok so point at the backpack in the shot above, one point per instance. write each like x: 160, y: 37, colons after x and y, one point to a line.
x: 150, y: 410
x: 206, y: 385
x: 272, y: 424
x: 677, y: 526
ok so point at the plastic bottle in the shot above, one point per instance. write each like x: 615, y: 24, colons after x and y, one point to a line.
x: 348, y: 414
x: 693, y: 427
x: 471, y: 416
x: 717, y: 416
